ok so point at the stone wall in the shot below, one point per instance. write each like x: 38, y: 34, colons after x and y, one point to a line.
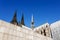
x: 55, y: 27
x: 13, y: 32
x: 44, y: 30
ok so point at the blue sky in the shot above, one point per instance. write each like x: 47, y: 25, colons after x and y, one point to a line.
x: 43, y: 10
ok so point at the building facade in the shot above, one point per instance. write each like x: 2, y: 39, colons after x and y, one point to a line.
x: 19, y: 31
x: 10, y: 31
x: 44, y: 30
x: 55, y: 27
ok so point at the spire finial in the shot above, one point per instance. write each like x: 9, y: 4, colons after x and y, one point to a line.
x: 32, y: 18
x: 32, y: 22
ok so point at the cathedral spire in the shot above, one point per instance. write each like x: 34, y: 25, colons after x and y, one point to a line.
x: 32, y: 23
x: 22, y: 20
x: 14, y: 20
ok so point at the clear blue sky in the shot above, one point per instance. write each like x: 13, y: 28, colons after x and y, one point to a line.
x: 43, y: 10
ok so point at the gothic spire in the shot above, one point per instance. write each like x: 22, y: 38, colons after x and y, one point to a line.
x: 32, y: 23
x: 22, y: 20
x: 14, y: 20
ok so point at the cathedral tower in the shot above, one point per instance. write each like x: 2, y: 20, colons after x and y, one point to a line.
x: 22, y: 21
x: 14, y: 20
